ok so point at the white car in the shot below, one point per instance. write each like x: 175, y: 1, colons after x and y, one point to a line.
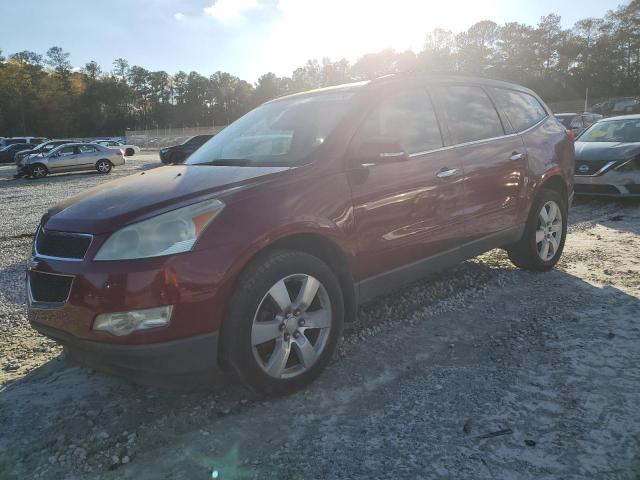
x: 129, y: 150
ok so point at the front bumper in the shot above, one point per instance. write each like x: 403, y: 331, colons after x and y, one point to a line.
x: 610, y: 184
x: 188, y: 355
x: 64, y: 298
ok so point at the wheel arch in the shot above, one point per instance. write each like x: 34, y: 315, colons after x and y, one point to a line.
x: 322, y: 247
x: 556, y: 183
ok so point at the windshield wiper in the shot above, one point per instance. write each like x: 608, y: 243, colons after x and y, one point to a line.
x: 227, y: 162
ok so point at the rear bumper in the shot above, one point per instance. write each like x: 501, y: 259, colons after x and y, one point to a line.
x: 187, y: 355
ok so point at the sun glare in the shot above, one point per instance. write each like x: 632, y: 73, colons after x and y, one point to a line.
x: 337, y: 29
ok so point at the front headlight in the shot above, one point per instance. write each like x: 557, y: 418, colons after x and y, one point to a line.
x: 165, y: 234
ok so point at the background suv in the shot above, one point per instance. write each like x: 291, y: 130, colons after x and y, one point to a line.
x: 179, y: 153
x: 251, y: 255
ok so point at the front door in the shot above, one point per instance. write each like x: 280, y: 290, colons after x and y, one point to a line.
x: 412, y: 209
x: 64, y: 159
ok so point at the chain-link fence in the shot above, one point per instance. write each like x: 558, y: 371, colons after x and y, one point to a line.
x: 164, y: 137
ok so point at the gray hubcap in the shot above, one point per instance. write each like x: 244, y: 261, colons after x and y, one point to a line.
x: 38, y: 172
x: 549, y: 231
x: 104, y: 167
x: 291, y: 326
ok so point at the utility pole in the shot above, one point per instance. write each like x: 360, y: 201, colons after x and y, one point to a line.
x: 586, y: 99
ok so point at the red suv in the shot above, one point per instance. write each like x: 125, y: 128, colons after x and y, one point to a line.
x: 251, y: 256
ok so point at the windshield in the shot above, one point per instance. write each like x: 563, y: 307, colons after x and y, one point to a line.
x: 282, y: 133
x: 627, y: 131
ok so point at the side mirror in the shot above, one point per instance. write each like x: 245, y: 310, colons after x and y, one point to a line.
x: 381, y: 150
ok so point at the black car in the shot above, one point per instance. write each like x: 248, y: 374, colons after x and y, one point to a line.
x: 7, y: 153
x: 41, y: 148
x: 179, y: 153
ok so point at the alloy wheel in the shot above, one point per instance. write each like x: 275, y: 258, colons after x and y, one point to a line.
x: 104, y: 167
x: 549, y: 231
x: 38, y: 171
x: 291, y: 326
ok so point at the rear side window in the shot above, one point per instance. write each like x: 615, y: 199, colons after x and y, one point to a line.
x: 408, y: 117
x: 522, y: 109
x: 86, y: 149
x: 470, y: 113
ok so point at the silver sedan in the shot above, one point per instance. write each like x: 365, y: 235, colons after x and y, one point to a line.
x: 71, y: 157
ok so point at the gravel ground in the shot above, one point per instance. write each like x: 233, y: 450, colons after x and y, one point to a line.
x: 484, y: 372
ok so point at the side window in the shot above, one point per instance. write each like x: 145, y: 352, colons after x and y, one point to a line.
x: 470, y: 113
x: 576, y: 122
x: 522, y: 109
x: 67, y: 151
x: 408, y: 117
x: 86, y: 149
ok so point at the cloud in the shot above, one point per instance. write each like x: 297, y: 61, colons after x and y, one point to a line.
x: 178, y: 16
x: 224, y: 10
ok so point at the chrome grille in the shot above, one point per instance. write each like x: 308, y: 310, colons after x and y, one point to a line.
x: 63, y: 245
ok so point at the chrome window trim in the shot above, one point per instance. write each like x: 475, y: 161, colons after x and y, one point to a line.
x: 38, y: 305
x: 475, y: 142
x: 64, y: 259
x: 599, y: 172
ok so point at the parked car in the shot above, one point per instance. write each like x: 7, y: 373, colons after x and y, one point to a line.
x: 251, y: 255
x: 618, y: 106
x: 41, y: 148
x: 179, y: 153
x: 129, y: 150
x: 8, y: 152
x: 578, y: 122
x: 71, y: 157
x: 30, y: 140
x: 608, y: 158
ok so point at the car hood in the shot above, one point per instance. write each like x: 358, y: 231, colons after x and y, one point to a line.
x: 586, y: 151
x: 112, y: 205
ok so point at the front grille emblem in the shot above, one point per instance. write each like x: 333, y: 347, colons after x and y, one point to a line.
x: 584, y: 168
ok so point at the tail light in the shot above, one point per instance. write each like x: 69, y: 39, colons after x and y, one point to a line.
x: 571, y: 135
x: 120, y: 153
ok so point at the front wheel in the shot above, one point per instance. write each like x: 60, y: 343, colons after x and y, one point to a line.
x: 542, y: 243
x: 103, y: 166
x: 284, y: 322
x: 38, y: 171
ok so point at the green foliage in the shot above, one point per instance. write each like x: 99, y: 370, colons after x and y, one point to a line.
x: 46, y: 96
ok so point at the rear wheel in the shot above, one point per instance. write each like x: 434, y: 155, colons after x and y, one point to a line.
x: 284, y: 322
x: 103, y: 166
x: 543, y: 240
x: 38, y: 171
x: 129, y: 152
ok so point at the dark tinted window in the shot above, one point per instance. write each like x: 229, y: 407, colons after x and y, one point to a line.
x: 471, y: 115
x: 199, y: 139
x: 408, y: 117
x: 522, y: 109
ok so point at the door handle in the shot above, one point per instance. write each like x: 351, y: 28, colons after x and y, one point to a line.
x: 447, y: 172
x: 515, y: 156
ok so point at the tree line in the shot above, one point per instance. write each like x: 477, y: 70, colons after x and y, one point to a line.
x: 45, y: 95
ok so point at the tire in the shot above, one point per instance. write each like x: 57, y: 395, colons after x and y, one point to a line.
x: 276, y: 366
x: 529, y: 252
x: 129, y: 152
x: 176, y: 157
x: 38, y: 170
x: 104, y: 166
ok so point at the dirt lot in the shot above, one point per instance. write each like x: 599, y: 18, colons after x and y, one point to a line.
x: 485, y: 372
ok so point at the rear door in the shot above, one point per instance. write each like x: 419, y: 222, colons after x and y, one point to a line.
x: 409, y: 210
x: 493, y: 159
x: 87, y: 157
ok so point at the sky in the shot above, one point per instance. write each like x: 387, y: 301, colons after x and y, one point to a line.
x: 250, y: 37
